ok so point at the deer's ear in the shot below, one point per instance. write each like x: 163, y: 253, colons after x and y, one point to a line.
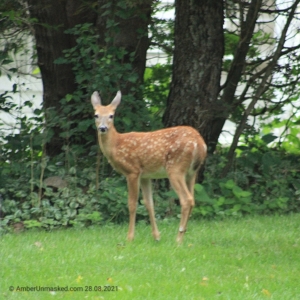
x: 116, y: 101
x: 95, y: 99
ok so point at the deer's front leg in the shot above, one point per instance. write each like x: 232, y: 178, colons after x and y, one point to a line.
x: 148, y: 201
x: 133, y: 193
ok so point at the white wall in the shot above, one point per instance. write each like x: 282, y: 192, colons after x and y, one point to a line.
x: 29, y: 88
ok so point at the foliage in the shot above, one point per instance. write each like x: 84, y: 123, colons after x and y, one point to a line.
x: 78, y: 204
x: 157, y: 81
x: 14, y: 26
x: 97, y: 68
x: 263, y: 181
x: 74, y: 205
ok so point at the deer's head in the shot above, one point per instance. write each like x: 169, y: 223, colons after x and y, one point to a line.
x: 104, y: 115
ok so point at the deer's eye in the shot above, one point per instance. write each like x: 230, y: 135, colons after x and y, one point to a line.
x: 96, y: 116
x: 111, y: 116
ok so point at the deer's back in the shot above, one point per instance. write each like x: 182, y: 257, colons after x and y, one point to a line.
x: 153, y: 154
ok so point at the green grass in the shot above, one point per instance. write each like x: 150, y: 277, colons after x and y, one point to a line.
x: 251, y: 258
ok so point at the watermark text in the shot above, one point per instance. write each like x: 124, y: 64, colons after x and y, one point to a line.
x: 86, y: 288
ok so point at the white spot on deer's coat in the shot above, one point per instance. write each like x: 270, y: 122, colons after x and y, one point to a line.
x: 195, y: 149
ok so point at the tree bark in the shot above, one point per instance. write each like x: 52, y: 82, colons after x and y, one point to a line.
x: 198, y: 52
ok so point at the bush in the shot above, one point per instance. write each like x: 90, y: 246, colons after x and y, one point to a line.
x: 78, y: 204
x: 263, y: 181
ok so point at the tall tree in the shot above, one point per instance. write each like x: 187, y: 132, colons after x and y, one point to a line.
x: 254, y: 54
x: 197, y: 65
x: 51, y: 21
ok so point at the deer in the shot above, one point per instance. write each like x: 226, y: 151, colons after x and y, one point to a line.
x: 176, y: 153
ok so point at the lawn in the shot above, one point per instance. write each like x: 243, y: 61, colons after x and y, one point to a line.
x: 250, y: 258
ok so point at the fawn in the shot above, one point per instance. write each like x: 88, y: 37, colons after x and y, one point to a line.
x: 176, y: 152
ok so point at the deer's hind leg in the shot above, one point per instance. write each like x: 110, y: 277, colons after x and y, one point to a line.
x: 178, y: 182
x: 190, y: 181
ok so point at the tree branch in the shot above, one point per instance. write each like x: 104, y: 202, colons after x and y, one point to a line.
x: 261, y: 89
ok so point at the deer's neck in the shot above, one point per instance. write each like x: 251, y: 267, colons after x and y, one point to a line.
x: 108, y: 142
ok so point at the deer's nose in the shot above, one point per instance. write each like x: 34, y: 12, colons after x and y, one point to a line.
x: 103, y: 129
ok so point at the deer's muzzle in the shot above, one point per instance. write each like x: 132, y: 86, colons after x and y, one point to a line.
x: 103, y: 129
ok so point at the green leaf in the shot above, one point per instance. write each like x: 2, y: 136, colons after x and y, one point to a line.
x: 236, y: 207
x: 269, y: 138
x: 72, y: 170
x: 6, y: 61
x: 201, y: 195
x: 36, y: 71
x: 127, y: 121
x: 51, y: 168
x: 61, y: 60
x: 198, y: 188
x: 220, y: 201
x: 230, y: 184
x: 238, y: 192
x: 84, y: 125
x: 69, y: 97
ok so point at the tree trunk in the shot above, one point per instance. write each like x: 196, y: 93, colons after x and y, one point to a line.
x: 52, y: 19
x: 197, y: 66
